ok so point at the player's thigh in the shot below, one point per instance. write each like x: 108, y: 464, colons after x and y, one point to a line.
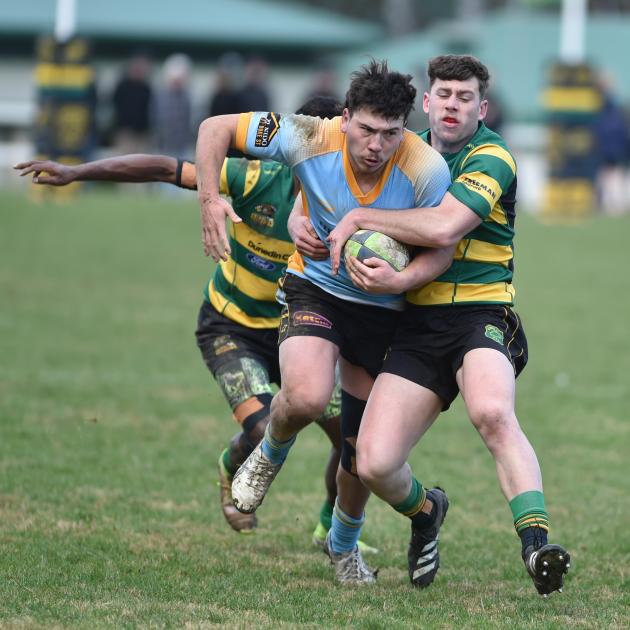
x: 487, y: 383
x: 355, y: 380
x: 397, y: 415
x: 307, y: 366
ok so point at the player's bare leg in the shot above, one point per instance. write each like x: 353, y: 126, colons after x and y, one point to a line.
x: 487, y: 383
x: 398, y: 414
x: 307, y: 365
x: 253, y: 415
x: 332, y: 428
x: 342, y: 541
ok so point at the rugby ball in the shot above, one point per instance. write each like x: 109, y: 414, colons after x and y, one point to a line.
x: 370, y: 244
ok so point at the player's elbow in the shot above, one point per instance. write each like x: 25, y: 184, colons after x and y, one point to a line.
x: 443, y: 237
x: 219, y: 125
x: 206, y: 126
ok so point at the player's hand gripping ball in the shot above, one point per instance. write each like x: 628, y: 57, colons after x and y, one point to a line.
x: 370, y: 244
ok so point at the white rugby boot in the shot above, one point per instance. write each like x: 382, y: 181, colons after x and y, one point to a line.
x: 252, y: 480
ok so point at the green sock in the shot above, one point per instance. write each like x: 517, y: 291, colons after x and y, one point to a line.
x: 531, y: 520
x: 528, y: 510
x: 413, y: 504
x: 225, y: 458
x: 325, y: 514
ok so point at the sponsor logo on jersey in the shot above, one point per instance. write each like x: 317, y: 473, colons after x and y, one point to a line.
x: 260, y: 263
x: 263, y: 215
x: 309, y: 318
x: 492, y: 332
x: 477, y: 186
x: 267, y: 129
x: 269, y: 253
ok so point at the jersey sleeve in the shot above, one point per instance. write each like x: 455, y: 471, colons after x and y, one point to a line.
x: 186, y: 176
x: 486, y: 173
x: 239, y: 177
x: 269, y: 136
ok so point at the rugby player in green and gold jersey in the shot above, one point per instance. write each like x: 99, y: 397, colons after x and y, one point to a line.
x: 459, y: 332
x: 237, y: 330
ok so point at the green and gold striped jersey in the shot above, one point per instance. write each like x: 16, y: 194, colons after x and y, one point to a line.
x: 484, y: 179
x: 243, y: 288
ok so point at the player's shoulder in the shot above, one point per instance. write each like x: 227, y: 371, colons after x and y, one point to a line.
x: 323, y: 133
x: 416, y: 157
x: 488, y: 145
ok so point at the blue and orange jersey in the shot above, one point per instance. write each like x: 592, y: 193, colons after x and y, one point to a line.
x: 484, y: 179
x: 315, y: 148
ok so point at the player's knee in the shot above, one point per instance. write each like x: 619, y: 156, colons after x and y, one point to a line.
x: 494, y: 419
x: 302, y: 403
x: 373, y: 470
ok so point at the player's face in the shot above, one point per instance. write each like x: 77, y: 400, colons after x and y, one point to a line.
x: 454, y: 108
x: 370, y: 139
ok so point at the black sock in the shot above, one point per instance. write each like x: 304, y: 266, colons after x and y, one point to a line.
x: 422, y: 520
x: 534, y: 537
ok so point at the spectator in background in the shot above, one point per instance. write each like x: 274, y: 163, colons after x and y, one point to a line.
x: 495, y: 115
x: 226, y: 96
x: 172, y: 108
x: 324, y: 83
x: 253, y: 96
x: 131, y: 103
x: 612, y: 138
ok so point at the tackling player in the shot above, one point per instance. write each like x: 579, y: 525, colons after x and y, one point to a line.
x: 458, y: 333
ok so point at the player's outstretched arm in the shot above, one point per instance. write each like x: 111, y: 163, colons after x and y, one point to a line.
x: 216, y: 136
x: 377, y: 276
x: 303, y: 233
x: 440, y: 226
x: 125, y: 168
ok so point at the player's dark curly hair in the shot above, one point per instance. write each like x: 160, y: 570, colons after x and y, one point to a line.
x: 382, y: 91
x: 458, y: 68
x: 322, y: 107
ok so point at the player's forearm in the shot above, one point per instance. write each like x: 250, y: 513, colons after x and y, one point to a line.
x: 425, y: 267
x: 216, y: 136
x: 427, y: 227
x: 128, y: 168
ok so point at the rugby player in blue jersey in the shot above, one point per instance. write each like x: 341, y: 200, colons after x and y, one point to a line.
x: 364, y: 158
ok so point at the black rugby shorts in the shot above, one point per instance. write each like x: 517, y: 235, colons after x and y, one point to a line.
x: 362, y: 332
x: 431, y: 341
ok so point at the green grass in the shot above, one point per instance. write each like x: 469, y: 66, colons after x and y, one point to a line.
x: 110, y: 427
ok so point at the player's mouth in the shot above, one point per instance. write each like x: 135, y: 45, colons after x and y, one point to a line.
x: 371, y: 162
x: 449, y: 121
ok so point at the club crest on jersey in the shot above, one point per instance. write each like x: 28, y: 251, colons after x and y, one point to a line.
x: 260, y: 263
x: 308, y: 318
x: 492, y: 332
x: 267, y: 129
x: 263, y: 215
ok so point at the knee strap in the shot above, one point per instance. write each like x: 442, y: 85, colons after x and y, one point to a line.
x: 351, y: 413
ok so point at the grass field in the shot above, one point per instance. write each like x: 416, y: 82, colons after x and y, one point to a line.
x: 110, y: 428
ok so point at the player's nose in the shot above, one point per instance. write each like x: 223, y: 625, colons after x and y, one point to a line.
x: 375, y: 144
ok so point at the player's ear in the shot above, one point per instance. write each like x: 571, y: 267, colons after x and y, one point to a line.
x: 483, y: 109
x: 345, y: 119
x: 425, y: 102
